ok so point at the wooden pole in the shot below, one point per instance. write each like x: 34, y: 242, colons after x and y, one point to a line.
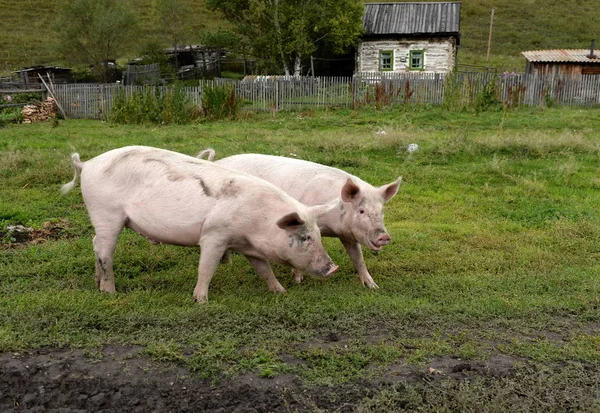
x: 54, y: 97
x: 490, y: 36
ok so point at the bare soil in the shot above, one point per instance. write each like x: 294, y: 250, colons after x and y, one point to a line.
x: 121, y: 379
x: 19, y: 235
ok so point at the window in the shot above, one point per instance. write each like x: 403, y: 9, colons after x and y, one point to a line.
x: 417, y: 60
x: 386, y: 60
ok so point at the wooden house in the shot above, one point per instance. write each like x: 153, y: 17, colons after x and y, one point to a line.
x: 562, y: 62
x: 403, y: 37
x: 29, y: 75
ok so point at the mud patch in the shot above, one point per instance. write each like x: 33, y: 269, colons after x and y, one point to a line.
x: 121, y: 379
x: 17, y: 235
x: 124, y: 379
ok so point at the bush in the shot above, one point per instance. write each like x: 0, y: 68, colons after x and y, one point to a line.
x: 219, y: 102
x: 157, y: 105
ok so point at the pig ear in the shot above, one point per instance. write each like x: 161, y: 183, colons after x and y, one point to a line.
x: 389, y: 190
x: 350, y: 191
x: 290, y: 221
x: 320, y: 210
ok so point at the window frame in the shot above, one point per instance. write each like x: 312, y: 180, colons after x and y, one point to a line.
x: 410, y: 60
x: 391, y: 69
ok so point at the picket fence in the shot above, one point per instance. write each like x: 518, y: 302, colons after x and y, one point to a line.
x: 277, y: 93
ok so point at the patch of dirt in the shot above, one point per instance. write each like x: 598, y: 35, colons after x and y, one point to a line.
x: 17, y: 235
x: 121, y: 379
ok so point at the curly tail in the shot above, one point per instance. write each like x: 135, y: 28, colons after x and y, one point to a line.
x: 77, y: 166
x: 210, y: 152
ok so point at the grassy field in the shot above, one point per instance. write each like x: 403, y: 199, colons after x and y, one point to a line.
x: 490, y: 290
x: 27, y: 38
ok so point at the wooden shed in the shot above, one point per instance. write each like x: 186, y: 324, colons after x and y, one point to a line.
x: 562, y: 62
x: 29, y: 75
x: 403, y: 37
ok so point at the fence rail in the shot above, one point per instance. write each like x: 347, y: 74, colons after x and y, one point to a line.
x: 276, y: 93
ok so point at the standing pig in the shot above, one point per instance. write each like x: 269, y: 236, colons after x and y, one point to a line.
x: 358, y: 217
x: 177, y: 199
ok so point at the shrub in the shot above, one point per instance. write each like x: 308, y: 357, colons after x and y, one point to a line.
x: 219, y: 102
x: 157, y: 105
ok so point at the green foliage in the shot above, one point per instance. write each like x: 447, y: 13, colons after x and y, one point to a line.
x: 486, y: 98
x: 95, y: 31
x: 220, y: 102
x: 155, y: 105
x: 223, y: 38
x: 283, y: 32
x: 154, y: 52
x: 173, y: 20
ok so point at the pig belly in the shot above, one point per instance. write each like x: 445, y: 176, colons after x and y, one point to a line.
x: 169, y: 218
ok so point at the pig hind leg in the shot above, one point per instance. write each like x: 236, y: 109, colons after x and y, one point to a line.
x: 105, y: 242
x: 226, y: 258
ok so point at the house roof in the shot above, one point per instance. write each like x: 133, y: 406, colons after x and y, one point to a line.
x: 411, y: 18
x: 561, y: 55
x: 46, y: 68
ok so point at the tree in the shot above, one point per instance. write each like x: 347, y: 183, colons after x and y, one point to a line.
x: 173, y: 18
x: 95, y: 31
x: 287, y: 31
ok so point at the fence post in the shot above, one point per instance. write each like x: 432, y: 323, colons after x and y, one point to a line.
x: 277, y: 95
x: 354, y: 91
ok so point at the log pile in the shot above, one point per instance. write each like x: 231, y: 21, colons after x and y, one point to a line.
x: 39, y: 112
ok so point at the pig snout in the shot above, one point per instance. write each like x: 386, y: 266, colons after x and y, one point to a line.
x: 327, y: 269
x: 331, y: 270
x: 382, y: 240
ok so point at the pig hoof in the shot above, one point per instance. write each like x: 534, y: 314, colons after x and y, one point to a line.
x: 110, y: 289
x: 201, y: 299
x: 370, y: 284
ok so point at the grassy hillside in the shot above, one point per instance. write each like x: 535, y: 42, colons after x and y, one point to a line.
x: 27, y: 38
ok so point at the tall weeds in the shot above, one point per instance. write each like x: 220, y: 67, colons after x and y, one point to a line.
x: 155, y: 105
x: 220, y: 102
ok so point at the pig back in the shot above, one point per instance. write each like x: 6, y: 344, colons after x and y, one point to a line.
x: 308, y: 182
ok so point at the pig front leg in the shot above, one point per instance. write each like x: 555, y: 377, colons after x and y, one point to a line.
x: 298, y: 276
x: 263, y: 269
x: 210, y: 255
x: 355, y: 252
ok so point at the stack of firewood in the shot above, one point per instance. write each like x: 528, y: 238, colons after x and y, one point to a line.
x: 39, y: 112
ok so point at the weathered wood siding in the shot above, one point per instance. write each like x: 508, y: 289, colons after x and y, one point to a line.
x: 561, y: 68
x: 439, y: 54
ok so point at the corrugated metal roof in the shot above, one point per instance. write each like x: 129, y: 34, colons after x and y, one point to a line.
x: 561, y: 55
x: 411, y: 18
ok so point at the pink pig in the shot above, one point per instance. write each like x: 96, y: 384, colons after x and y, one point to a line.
x: 178, y: 199
x: 358, y: 217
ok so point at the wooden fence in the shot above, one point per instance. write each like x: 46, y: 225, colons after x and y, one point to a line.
x: 275, y: 93
x: 142, y: 74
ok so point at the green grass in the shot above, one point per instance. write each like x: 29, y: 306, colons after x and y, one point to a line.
x: 27, y: 38
x: 496, y: 251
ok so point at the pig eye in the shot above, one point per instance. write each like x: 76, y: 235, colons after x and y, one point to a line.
x: 362, y: 211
